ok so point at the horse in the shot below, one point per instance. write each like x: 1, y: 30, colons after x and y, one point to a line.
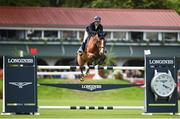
x: 94, y: 53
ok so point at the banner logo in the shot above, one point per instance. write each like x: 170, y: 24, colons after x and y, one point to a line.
x: 91, y: 87
x: 20, y: 84
x: 20, y: 60
x: 161, y: 61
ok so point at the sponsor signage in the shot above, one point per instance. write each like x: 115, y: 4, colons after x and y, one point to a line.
x: 92, y: 87
x: 153, y: 102
x: 20, y: 85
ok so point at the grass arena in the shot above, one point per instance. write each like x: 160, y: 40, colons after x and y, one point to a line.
x: 56, y: 96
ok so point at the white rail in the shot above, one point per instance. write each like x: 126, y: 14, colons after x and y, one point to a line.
x: 61, y: 73
x: 94, y: 107
x: 93, y: 67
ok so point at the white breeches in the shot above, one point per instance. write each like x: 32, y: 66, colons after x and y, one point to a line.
x: 85, y: 36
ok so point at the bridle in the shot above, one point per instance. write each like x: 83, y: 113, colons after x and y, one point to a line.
x: 100, y: 44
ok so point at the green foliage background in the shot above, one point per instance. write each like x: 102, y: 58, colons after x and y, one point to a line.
x: 147, y: 4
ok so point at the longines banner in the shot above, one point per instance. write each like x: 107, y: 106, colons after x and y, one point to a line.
x: 92, y: 87
x: 20, y: 94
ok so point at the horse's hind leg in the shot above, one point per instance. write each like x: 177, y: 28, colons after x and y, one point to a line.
x: 82, y: 74
x: 80, y: 62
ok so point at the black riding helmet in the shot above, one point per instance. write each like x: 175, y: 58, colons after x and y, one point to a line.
x: 97, y: 18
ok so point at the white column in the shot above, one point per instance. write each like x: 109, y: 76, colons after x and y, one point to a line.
x: 42, y: 34
x: 111, y: 35
x: 78, y: 36
x: 127, y: 36
x: 160, y: 36
x: 59, y: 34
x: 178, y: 37
x: 26, y: 33
x: 144, y: 36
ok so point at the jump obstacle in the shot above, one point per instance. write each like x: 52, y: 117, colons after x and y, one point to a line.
x: 92, y: 67
x: 26, y: 86
x: 78, y: 68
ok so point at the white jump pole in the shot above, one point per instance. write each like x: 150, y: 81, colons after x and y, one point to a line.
x: 86, y: 67
x: 94, y: 107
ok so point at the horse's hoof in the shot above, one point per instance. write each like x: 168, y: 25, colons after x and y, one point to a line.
x: 86, y: 74
x: 82, y: 79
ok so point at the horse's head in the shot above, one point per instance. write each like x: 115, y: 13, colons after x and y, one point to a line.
x: 101, y: 42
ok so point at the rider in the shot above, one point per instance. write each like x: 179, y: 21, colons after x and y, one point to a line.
x: 92, y: 29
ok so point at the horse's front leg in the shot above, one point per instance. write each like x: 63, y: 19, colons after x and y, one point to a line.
x: 89, y: 63
x: 87, y: 71
x: 90, y: 60
x: 80, y: 62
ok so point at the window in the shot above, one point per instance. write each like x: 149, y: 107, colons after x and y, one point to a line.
x: 12, y: 34
x: 108, y: 36
x: 136, y: 36
x: 3, y: 34
x: 119, y: 35
x: 152, y: 36
x: 70, y: 35
x: 34, y: 34
x: 81, y: 35
x: 51, y: 34
x: 170, y: 37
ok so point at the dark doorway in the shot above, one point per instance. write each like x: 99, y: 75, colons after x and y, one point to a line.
x: 65, y: 62
x: 41, y: 62
x: 134, y: 62
x: 137, y: 36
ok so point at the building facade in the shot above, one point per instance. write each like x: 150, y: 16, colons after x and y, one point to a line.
x: 55, y: 34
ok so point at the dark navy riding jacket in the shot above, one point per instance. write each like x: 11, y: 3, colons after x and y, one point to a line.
x: 91, y: 29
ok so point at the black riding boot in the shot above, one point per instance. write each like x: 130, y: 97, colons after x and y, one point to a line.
x: 81, y: 49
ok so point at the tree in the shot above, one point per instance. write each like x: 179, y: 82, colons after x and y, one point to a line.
x: 173, y: 4
x: 72, y: 3
x: 102, y: 4
x: 145, y: 4
x: 24, y: 3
